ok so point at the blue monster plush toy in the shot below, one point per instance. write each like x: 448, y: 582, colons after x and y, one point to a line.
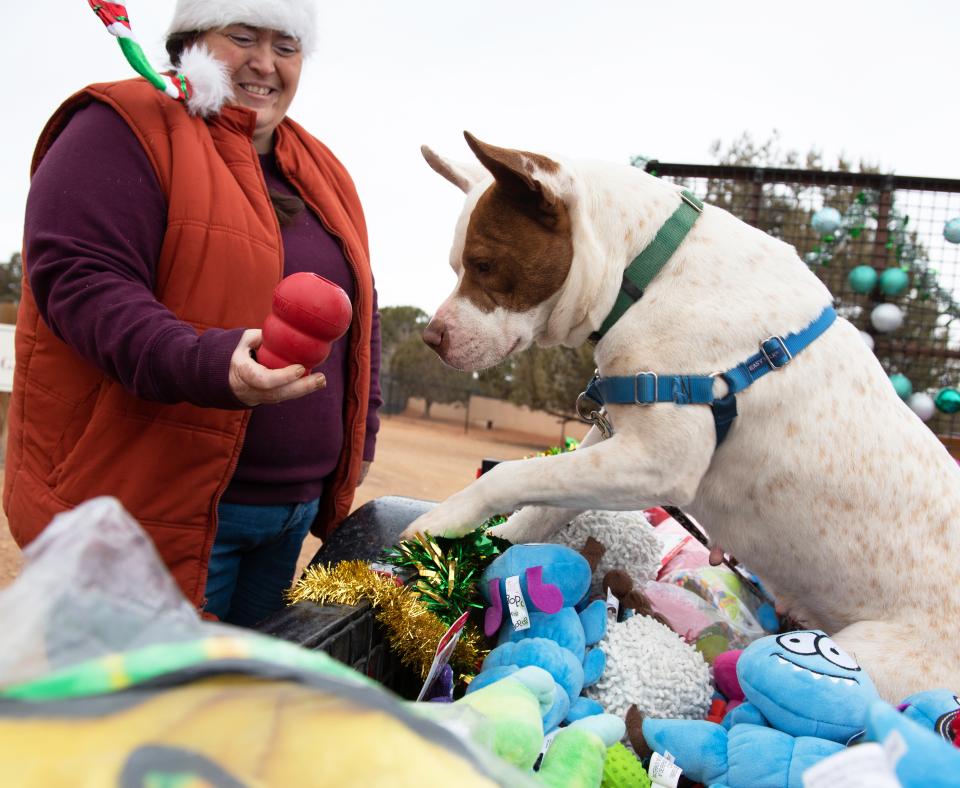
x: 805, y: 699
x: 533, y: 591
x: 918, y: 748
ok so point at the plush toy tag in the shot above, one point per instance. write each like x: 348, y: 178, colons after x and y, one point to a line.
x: 613, y: 604
x: 863, y: 766
x: 445, y: 649
x: 547, y: 741
x: 517, y: 604
x: 663, y: 771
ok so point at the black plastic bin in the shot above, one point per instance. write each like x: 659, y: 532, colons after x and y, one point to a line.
x: 351, y: 634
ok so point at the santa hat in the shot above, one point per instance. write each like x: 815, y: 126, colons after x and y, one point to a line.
x: 297, y: 18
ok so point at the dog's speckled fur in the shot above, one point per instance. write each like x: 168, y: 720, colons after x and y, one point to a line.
x: 828, y: 486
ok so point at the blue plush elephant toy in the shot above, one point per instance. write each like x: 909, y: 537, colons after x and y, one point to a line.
x: 534, y: 591
x: 806, y: 699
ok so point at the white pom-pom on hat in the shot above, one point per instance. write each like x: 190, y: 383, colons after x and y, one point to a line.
x: 297, y: 18
x: 210, y: 85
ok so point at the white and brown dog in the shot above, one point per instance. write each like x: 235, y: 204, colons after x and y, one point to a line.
x: 828, y: 486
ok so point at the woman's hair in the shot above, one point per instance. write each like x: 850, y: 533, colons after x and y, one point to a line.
x: 287, y: 207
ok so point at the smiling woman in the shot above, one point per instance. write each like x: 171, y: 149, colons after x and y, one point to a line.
x: 154, y: 239
x: 264, y: 69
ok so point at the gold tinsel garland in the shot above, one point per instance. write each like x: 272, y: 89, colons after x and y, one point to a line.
x: 413, y: 631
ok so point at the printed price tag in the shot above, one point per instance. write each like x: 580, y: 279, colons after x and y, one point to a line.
x: 517, y: 604
x: 663, y: 771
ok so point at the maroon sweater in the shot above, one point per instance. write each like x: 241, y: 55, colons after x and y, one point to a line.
x: 95, y: 222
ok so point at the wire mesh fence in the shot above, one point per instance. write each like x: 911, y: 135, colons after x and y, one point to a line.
x: 879, y: 243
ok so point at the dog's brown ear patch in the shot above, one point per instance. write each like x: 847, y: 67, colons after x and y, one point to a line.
x: 514, y: 170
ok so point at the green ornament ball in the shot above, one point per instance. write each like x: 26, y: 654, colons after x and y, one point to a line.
x: 893, y: 281
x: 948, y: 400
x: 902, y: 385
x: 862, y: 279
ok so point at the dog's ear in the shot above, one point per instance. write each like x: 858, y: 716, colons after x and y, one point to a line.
x: 519, y: 172
x: 463, y: 176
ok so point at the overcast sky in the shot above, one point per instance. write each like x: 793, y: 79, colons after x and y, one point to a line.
x: 602, y: 79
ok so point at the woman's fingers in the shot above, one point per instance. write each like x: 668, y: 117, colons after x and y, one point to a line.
x: 254, y: 384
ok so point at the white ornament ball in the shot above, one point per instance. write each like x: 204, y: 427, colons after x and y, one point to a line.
x: 867, y: 339
x: 886, y: 317
x: 922, y: 404
x: 826, y: 221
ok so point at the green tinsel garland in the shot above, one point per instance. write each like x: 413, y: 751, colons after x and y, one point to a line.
x: 447, y: 570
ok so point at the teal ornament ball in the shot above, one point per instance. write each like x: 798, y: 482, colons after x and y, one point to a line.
x: 902, y: 385
x: 893, y: 281
x: 922, y: 404
x: 862, y: 279
x: 826, y: 221
x: 948, y: 400
x: 951, y: 230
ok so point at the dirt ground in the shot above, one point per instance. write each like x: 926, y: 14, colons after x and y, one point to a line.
x: 415, y: 457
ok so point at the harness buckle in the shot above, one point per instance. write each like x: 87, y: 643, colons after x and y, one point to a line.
x: 788, y: 357
x: 636, y: 388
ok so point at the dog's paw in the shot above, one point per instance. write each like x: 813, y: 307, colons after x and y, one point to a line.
x: 438, y: 522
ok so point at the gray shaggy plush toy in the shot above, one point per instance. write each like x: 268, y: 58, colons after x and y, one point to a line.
x: 630, y: 541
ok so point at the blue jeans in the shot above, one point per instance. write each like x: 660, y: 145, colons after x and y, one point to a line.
x: 254, y: 557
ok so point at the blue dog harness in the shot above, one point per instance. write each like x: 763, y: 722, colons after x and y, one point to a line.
x: 648, y: 388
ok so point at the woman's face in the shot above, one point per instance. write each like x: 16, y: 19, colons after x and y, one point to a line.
x: 264, y: 67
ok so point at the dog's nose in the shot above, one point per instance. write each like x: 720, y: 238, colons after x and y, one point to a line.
x: 433, y: 334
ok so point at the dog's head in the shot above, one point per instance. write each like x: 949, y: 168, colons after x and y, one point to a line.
x: 512, y: 254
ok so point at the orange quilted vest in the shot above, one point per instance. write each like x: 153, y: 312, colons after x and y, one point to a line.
x: 75, y: 434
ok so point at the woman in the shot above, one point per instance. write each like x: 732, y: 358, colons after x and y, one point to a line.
x: 153, y: 241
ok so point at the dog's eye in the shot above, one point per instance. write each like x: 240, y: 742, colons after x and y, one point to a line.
x: 481, y: 266
x: 831, y: 652
x: 804, y: 643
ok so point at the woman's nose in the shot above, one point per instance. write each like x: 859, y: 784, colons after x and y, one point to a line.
x: 262, y: 59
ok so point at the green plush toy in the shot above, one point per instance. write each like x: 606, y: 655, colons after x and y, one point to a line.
x: 506, y: 717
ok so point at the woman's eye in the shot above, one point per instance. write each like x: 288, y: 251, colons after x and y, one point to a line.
x: 286, y: 50
x: 239, y: 40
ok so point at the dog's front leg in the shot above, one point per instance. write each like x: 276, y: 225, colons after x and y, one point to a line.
x: 624, y: 472
x: 539, y: 523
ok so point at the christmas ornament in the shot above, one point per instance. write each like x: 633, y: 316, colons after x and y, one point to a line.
x: 886, y: 317
x: 902, y: 385
x: 951, y: 230
x: 923, y: 405
x: 412, y: 630
x: 893, y: 281
x: 117, y: 21
x: 862, y: 279
x: 948, y: 400
x: 826, y: 221
x: 447, y: 569
x: 867, y: 339
x: 309, y: 314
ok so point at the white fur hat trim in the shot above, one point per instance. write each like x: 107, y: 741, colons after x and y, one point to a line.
x: 298, y: 18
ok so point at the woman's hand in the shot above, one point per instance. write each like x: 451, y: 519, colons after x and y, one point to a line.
x: 255, y: 384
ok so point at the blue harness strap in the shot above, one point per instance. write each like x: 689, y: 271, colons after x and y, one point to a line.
x: 648, y: 388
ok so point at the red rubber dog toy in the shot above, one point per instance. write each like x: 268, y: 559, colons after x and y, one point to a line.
x: 309, y: 314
